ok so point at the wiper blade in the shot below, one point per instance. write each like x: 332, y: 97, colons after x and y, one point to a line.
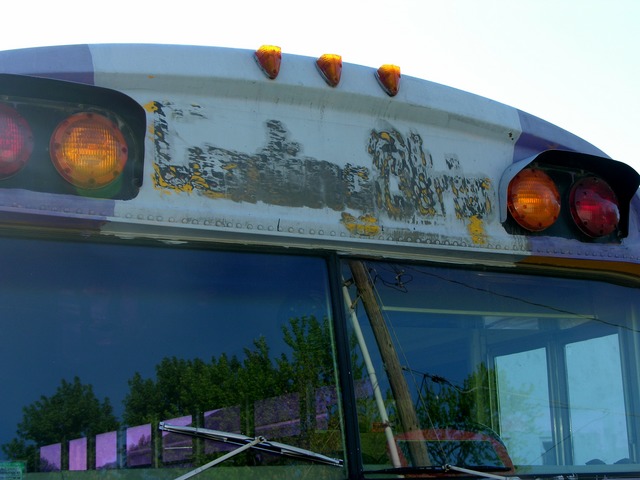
x: 479, y: 470
x: 481, y: 473
x: 410, y: 470
x: 259, y: 443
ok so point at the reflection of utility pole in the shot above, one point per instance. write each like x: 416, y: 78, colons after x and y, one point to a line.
x: 406, y: 410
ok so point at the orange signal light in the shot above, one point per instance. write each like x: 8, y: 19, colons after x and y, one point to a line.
x: 88, y: 150
x: 389, y: 78
x: 330, y: 66
x: 533, y: 200
x: 269, y: 58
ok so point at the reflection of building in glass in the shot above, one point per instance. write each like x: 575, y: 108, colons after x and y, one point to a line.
x: 78, y: 454
x: 139, y: 448
x: 51, y: 458
x: 278, y: 417
x: 326, y: 402
x: 224, y: 419
x: 176, y: 447
x: 107, y: 450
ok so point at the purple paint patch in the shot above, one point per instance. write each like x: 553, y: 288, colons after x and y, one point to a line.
x: 635, y: 207
x: 539, y: 135
x: 19, y: 201
x: 71, y: 63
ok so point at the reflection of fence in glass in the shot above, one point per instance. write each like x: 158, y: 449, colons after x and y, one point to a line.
x: 176, y: 447
x: 139, y: 447
x: 78, y: 454
x: 107, y: 450
x: 275, y: 418
x: 223, y: 419
x: 279, y: 417
x: 51, y: 458
x: 326, y: 402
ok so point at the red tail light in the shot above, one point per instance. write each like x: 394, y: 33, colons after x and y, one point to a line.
x: 594, y: 207
x: 16, y: 141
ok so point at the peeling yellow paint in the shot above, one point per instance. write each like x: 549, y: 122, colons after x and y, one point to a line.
x: 158, y: 181
x: 476, y: 230
x: 151, y: 107
x: 210, y: 194
x: 363, y: 225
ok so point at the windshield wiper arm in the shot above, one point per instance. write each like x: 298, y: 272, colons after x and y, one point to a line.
x: 258, y: 443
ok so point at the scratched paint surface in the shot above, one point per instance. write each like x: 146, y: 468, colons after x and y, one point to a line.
x: 397, y: 181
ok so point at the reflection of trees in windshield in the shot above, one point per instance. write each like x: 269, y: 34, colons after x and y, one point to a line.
x: 73, y: 411
x: 442, y: 404
x: 190, y: 386
x: 257, y: 388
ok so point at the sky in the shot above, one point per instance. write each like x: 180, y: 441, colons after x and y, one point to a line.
x: 574, y: 63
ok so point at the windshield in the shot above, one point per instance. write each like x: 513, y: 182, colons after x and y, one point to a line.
x: 493, y: 371
x: 103, y: 342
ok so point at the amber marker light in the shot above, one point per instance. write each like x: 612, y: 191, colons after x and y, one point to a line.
x: 269, y: 58
x: 389, y: 78
x: 88, y: 150
x: 330, y: 66
x: 16, y: 141
x: 533, y: 200
x: 594, y: 207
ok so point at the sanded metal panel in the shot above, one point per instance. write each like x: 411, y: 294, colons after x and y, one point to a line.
x: 300, y: 170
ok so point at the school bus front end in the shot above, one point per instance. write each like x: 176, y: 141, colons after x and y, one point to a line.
x: 238, y: 264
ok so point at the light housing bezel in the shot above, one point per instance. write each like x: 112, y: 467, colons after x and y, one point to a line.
x: 44, y: 103
x: 570, y: 165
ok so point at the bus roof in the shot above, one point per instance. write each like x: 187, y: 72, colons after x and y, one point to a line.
x: 231, y: 154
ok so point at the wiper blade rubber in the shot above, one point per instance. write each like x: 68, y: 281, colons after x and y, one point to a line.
x: 478, y: 471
